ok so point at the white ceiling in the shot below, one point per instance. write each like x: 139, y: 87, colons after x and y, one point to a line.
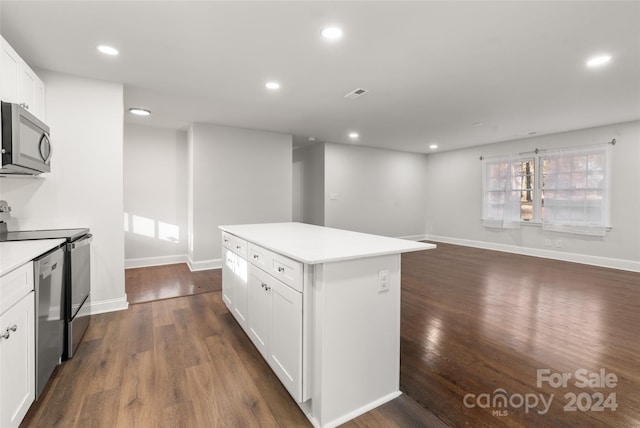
x: 432, y: 69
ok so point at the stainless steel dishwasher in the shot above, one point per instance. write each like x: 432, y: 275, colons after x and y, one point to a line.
x: 49, y: 311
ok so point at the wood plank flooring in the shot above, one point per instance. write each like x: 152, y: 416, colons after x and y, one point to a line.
x: 473, y: 321
x: 165, y: 282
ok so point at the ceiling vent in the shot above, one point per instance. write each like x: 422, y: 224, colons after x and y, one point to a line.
x: 356, y: 93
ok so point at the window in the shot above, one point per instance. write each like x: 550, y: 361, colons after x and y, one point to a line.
x: 564, y: 190
x: 576, y: 186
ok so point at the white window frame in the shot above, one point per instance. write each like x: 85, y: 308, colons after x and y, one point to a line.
x: 539, y: 158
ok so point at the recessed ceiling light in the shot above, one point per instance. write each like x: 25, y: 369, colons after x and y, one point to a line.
x: 331, y: 33
x: 433, y: 146
x: 598, y: 60
x: 272, y: 85
x: 108, y: 50
x: 353, y: 135
x: 478, y: 124
x: 139, y: 111
x: 312, y: 138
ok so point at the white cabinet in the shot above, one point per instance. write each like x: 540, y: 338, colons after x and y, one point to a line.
x: 17, y: 345
x: 234, y: 277
x: 19, y: 84
x: 285, y: 339
x: 275, y: 327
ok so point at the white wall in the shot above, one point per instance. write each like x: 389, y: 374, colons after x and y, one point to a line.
x: 84, y: 187
x: 377, y: 191
x: 155, y: 195
x: 454, y: 190
x: 237, y: 176
x: 308, y: 184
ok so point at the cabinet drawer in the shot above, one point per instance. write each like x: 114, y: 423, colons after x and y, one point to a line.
x: 227, y: 240
x: 235, y: 244
x: 15, y: 285
x: 287, y: 270
x: 260, y: 257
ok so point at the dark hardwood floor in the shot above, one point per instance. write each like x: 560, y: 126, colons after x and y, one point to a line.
x: 473, y: 322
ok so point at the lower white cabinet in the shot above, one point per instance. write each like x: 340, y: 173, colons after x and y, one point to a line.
x: 234, y: 285
x: 17, y: 347
x: 275, y: 327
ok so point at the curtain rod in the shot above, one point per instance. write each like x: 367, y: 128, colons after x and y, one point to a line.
x: 536, y: 151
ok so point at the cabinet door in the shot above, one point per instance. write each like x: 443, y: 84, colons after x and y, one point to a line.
x: 9, y: 73
x: 285, y: 341
x: 17, y: 361
x: 228, y: 280
x: 27, y: 88
x: 259, y: 309
x: 241, y: 297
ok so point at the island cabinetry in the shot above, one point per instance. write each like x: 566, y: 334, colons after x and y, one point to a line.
x: 234, y: 277
x: 17, y: 345
x: 275, y: 327
x: 324, y: 312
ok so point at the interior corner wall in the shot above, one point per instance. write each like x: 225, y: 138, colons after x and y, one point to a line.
x: 155, y: 195
x: 308, y: 184
x: 375, y: 191
x: 84, y: 187
x: 454, y: 189
x: 238, y: 176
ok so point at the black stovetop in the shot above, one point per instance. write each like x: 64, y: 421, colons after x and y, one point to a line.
x: 26, y: 235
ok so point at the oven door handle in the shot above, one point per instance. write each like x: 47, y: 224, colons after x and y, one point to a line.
x: 85, y: 240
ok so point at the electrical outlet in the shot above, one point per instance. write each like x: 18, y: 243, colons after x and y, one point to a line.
x: 383, y: 280
x: 547, y: 242
x: 558, y: 243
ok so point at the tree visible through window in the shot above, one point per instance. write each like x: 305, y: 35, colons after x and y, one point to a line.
x: 570, y: 184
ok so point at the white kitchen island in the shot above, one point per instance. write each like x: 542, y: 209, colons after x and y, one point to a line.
x: 322, y: 306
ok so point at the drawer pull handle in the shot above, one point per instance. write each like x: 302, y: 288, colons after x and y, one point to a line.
x: 5, y: 335
x: 267, y: 288
x: 238, y: 247
x: 255, y: 256
x: 280, y: 269
x: 13, y: 328
x: 263, y: 285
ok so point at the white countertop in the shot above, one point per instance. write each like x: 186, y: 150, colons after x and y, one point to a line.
x: 316, y: 244
x: 15, y: 254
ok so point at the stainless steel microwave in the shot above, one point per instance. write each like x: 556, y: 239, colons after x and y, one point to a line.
x: 26, y: 146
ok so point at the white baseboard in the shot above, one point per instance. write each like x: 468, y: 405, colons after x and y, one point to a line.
x: 606, y: 262
x: 204, y: 264
x: 414, y: 237
x: 111, y: 305
x: 155, y: 261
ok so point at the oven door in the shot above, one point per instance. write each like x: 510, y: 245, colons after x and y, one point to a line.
x: 78, y: 293
x: 80, y: 273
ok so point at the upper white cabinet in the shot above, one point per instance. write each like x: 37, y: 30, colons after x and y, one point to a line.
x: 17, y: 345
x: 19, y: 84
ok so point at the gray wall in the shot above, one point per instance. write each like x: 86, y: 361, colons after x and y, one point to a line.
x: 84, y: 187
x: 376, y: 191
x: 454, y: 191
x: 308, y: 184
x: 155, y: 192
x: 236, y: 176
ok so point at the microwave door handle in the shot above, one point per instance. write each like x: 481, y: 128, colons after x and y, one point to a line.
x: 42, y: 140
